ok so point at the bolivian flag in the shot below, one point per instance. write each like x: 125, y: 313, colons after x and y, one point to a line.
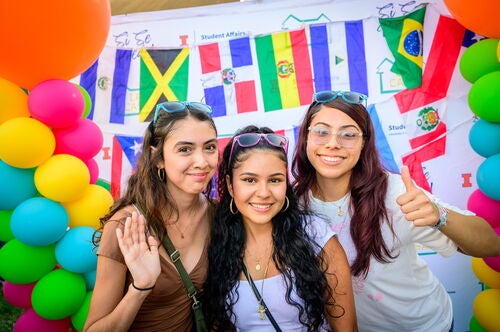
x: 285, y: 69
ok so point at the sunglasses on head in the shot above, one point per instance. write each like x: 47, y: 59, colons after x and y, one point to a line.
x: 347, y: 96
x: 252, y: 139
x: 180, y: 106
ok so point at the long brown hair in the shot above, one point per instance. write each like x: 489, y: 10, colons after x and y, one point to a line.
x: 145, y: 189
x: 368, y: 186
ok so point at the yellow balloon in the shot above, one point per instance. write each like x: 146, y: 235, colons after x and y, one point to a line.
x: 13, y: 101
x: 25, y: 142
x: 486, y: 308
x: 484, y: 273
x: 92, y: 205
x: 62, y: 178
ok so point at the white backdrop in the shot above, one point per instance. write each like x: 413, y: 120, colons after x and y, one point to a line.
x: 451, y: 176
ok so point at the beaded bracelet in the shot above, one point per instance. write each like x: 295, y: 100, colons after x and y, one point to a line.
x: 142, y: 289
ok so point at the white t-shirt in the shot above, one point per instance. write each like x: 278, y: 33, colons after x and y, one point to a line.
x: 287, y: 316
x: 402, y: 295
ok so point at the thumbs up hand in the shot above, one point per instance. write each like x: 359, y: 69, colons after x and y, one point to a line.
x: 414, y: 203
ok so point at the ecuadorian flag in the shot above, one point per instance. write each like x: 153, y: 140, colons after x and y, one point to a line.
x: 404, y: 37
x: 285, y: 69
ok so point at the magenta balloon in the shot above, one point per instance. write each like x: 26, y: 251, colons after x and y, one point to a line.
x: 30, y: 321
x: 84, y: 140
x: 18, y: 295
x: 56, y: 103
x: 485, y: 207
x: 93, y: 169
x: 494, y: 262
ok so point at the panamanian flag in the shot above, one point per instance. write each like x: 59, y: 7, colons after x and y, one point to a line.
x: 125, y: 151
x: 228, y: 76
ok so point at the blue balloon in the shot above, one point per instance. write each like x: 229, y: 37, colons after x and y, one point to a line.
x: 75, y: 252
x: 488, y: 177
x: 90, y: 279
x: 484, y: 138
x: 39, y: 221
x: 17, y: 184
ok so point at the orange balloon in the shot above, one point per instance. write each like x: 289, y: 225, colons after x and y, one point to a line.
x: 481, y: 18
x: 50, y: 39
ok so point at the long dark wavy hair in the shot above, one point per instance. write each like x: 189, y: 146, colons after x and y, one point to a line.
x: 293, y: 252
x: 145, y: 189
x: 368, y: 186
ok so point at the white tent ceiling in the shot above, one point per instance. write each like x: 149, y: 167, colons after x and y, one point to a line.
x: 120, y: 7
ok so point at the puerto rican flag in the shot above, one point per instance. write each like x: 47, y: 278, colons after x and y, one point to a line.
x: 228, y: 76
x: 126, y: 150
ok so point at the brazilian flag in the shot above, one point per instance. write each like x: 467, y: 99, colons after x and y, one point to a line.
x: 404, y: 36
x: 164, y: 77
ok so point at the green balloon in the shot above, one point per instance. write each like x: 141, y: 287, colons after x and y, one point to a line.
x: 87, y: 100
x: 24, y: 264
x: 59, y: 294
x: 5, y: 232
x: 483, y: 97
x: 103, y: 183
x: 79, y: 318
x: 474, y: 326
x: 479, y: 59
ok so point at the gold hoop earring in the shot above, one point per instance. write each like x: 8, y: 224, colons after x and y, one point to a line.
x: 161, y: 174
x: 287, y: 204
x: 231, y: 207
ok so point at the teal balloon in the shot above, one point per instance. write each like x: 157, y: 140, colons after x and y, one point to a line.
x: 58, y: 295
x: 23, y: 264
x: 39, y: 221
x: 90, y: 279
x: 484, y: 138
x: 16, y: 185
x: 5, y: 231
x: 479, y: 59
x: 78, y: 319
x: 474, y: 325
x: 75, y: 251
x: 483, y: 97
x: 488, y: 177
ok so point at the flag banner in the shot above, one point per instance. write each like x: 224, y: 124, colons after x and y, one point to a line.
x: 338, y: 56
x: 285, y: 69
x: 163, y: 77
x: 125, y: 151
x: 228, y: 76
x: 404, y: 36
x: 106, y: 82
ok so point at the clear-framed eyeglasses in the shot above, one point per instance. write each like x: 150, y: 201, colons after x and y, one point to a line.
x: 346, y: 138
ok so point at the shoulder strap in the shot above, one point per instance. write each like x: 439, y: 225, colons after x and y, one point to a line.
x: 260, y: 299
x: 188, y: 284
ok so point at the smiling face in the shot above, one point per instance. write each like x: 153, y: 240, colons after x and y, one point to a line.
x: 332, y: 161
x: 190, y: 156
x: 259, y: 186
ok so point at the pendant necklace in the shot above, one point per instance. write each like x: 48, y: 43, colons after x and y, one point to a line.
x: 261, y: 309
x: 340, y: 212
x: 258, y: 265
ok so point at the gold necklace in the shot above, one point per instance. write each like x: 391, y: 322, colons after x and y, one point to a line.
x: 340, y: 212
x: 258, y: 266
x: 261, y: 309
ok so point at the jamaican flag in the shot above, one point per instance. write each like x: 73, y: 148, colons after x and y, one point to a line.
x: 164, y: 77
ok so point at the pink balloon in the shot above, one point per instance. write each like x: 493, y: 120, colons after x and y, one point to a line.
x: 57, y: 103
x: 494, y: 262
x: 84, y: 140
x: 485, y: 207
x: 18, y: 295
x: 93, y: 169
x: 29, y: 321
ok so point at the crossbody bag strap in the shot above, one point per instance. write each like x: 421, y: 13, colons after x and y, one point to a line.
x: 188, y: 284
x: 260, y: 299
